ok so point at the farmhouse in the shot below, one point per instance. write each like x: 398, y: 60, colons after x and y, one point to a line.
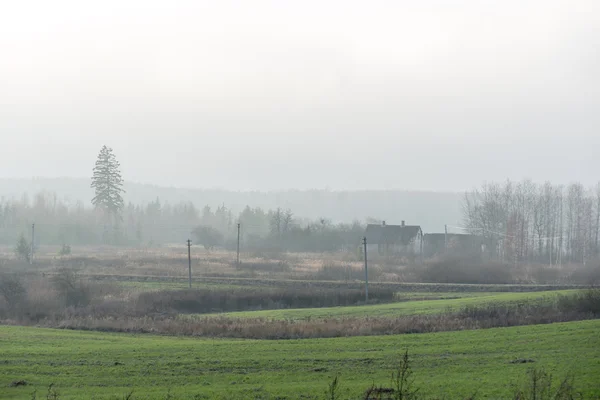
x: 389, y: 240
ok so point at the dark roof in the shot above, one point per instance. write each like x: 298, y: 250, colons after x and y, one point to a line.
x: 391, y: 234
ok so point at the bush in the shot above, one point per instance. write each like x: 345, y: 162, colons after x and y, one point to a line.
x: 336, y: 272
x: 587, y: 301
x: 248, y: 299
x: 545, y: 274
x: 455, y: 269
x: 272, y: 267
x: 541, y: 386
x: 586, y: 274
x: 23, y: 249
x: 73, y: 291
x: 208, y: 236
x: 13, y: 290
x: 65, y: 250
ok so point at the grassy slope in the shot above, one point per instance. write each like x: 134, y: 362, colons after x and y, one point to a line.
x: 449, y: 364
x: 396, y: 309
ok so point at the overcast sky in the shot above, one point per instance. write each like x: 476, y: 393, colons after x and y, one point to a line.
x: 246, y: 95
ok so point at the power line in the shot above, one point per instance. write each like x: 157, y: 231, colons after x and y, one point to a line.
x: 498, y: 233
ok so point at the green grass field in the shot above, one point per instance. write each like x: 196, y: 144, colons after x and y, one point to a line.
x: 450, y: 364
x: 402, y: 308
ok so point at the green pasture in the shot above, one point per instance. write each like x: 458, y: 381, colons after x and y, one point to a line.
x: 94, y: 365
x: 402, y: 308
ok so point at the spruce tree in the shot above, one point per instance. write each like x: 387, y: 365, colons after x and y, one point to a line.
x: 108, y: 184
x: 23, y: 249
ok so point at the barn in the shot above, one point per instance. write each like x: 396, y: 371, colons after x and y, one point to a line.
x: 390, y: 240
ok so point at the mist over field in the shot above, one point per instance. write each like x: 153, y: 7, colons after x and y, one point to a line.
x: 267, y: 95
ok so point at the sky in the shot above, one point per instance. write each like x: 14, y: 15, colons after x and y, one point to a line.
x: 267, y: 95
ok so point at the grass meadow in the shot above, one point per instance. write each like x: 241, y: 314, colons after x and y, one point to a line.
x: 412, y: 304
x: 446, y: 365
x: 282, y: 327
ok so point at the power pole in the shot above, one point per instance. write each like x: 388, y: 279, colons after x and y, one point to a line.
x: 189, y: 246
x: 32, y: 243
x: 238, y: 245
x: 445, y: 237
x: 366, y: 271
x: 421, y: 246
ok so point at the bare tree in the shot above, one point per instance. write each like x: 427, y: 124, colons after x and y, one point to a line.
x: 540, y: 220
x: 525, y: 222
x: 485, y: 215
x: 575, y: 194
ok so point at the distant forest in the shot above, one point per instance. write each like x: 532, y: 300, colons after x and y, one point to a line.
x: 62, y: 212
x: 518, y: 221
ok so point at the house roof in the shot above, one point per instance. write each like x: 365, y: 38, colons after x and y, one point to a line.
x: 390, y: 234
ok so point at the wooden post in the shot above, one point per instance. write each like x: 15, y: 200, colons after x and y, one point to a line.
x: 238, y: 245
x: 189, y: 245
x: 32, y: 243
x: 366, y: 271
x: 445, y: 237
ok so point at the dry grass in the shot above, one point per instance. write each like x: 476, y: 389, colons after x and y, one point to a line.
x: 170, y: 264
x: 261, y: 328
x: 69, y: 301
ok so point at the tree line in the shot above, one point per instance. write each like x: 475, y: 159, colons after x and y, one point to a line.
x: 524, y: 221
x: 111, y: 221
x: 59, y: 222
x: 518, y: 221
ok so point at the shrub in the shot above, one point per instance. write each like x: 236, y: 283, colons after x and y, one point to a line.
x: 545, y: 274
x: 13, y: 290
x: 23, y: 249
x: 455, y: 269
x: 208, y: 236
x: 335, y: 272
x: 402, y: 380
x: 587, y: 301
x: 586, y: 274
x: 266, y: 266
x: 540, y: 386
x: 74, y: 291
x: 247, y: 299
x: 65, y: 250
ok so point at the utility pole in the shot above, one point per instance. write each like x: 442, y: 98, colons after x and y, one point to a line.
x: 366, y: 271
x: 422, y: 237
x: 238, y: 245
x: 189, y: 246
x: 32, y: 243
x: 445, y: 237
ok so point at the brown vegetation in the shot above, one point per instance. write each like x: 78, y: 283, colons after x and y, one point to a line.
x: 170, y: 264
x: 454, y: 268
x: 67, y: 301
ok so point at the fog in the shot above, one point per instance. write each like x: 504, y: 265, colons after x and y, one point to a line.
x: 268, y: 95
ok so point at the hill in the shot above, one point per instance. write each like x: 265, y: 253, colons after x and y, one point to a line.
x: 429, y: 209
